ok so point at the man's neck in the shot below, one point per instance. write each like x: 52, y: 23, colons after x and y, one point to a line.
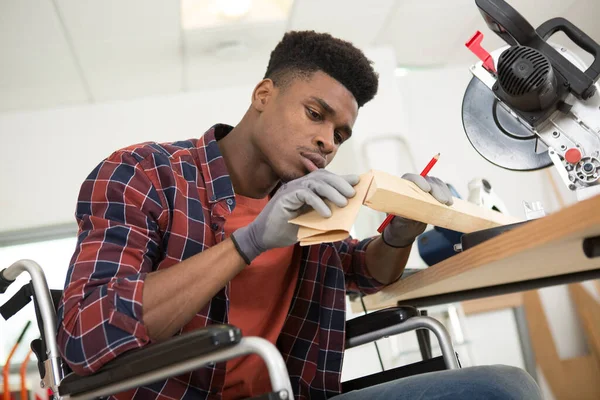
x: 250, y: 175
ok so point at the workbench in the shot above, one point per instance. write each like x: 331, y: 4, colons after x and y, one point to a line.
x: 544, y: 252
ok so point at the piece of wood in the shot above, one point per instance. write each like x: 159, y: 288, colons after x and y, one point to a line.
x: 575, y: 378
x: 469, y: 307
x: 580, y: 380
x: 487, y: 304
x: 548, y: 246
x: 315, y: 229
x: 542, y: 342
x: 394, y: 195
x: 588, y: 310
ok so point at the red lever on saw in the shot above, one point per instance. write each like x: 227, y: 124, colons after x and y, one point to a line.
x: 474, y: 44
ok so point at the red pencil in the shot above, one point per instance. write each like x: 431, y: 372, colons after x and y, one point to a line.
x: 430, y: 165
x: 424, y: 173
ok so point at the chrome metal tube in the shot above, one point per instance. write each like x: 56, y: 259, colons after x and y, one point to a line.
x: 411, y: 324
x: 46, y: 307
x: 280, y: 381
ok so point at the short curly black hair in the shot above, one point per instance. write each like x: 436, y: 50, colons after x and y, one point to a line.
x: 301, y: 53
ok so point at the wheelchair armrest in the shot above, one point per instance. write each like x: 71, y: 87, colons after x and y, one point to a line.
x: 395, y: 320
x: 378, y: 320
x: 154, y: 357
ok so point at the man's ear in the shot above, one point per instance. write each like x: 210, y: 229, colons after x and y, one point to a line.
x: 262, y: 94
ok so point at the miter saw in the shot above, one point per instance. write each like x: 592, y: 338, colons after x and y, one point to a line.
x: 529, y: 105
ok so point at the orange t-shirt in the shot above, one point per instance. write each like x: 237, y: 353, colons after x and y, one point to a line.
x: 259, y: 300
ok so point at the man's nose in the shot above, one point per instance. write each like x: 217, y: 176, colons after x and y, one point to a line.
x: 325, y: 142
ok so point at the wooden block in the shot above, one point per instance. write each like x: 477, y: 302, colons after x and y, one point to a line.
x: 315, y: 229
x: 588, y: 310
x: 542, y: 341
x: 571, y: 379
x: 581, y: 380
x: 394, y: 195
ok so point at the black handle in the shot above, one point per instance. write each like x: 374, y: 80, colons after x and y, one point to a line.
x: 4, y: 283
x: 506, y: 22
x: 579, y: 37
x: 17, y: 302
x: 591, y: 247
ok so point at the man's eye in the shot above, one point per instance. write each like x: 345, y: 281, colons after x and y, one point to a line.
x: 338, y: 137
x: 313, y: 114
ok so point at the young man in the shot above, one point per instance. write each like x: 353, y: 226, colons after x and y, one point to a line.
x: 177, y: 236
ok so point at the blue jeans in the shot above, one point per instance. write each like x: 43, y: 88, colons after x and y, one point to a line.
x: 474, y: 383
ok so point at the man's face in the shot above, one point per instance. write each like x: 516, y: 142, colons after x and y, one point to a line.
x: 302, y: 125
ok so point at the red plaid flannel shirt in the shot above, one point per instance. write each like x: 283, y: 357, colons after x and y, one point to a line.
x: 150, y: 206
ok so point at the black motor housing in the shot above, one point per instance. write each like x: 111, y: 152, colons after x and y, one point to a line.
x: 527, y: 79
x: 535, y: 87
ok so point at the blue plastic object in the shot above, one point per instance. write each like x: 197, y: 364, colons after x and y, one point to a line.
x: 438, y: 244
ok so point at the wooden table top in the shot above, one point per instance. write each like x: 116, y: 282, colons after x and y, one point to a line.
x: 545, y: 247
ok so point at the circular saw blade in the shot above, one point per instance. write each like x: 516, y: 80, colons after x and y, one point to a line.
x: 497, y: 135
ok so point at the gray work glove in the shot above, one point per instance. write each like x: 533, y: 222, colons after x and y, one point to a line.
x: 271, y: 229
x: 402, y: 232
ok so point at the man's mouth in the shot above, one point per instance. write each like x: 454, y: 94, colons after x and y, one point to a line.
x: 313, y: 161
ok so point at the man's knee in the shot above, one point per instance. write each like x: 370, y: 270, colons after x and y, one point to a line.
x: 507, y: 382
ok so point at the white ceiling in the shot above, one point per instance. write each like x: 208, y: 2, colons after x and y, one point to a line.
x: 61, y: 52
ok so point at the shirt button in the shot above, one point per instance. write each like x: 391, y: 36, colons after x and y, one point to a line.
x: 230, y: 202
x: 215, y: 226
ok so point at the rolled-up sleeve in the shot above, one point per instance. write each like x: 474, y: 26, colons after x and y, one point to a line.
x: 100, y: 314
x: 354, y: 262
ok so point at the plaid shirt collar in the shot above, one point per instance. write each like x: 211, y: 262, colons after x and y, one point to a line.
x: 212, y: 163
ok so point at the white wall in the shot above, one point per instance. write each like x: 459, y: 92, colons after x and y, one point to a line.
x: 46, y: 155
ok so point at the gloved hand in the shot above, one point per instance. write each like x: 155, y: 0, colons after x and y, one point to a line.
x: 402, y: 232
x: 271, y: 229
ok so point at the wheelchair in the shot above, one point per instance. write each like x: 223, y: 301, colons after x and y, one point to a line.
x: 212, y: 344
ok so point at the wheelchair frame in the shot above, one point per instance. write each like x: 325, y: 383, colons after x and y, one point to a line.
x: 208, y: 345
